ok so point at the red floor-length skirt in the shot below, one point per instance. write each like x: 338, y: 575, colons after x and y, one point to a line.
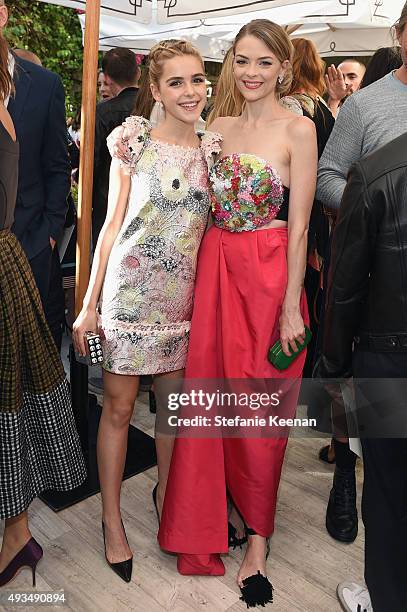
x: 240, y: 288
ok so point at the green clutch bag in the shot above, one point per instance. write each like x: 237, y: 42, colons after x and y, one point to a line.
x: 280, y: 360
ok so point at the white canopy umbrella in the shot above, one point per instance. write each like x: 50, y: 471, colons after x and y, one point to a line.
x: 357, y: 29
x: 176, y: 10
x: 212, y: 36
x: 181, y: 10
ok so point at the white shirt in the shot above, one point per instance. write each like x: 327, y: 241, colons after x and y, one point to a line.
x: 11, y: 65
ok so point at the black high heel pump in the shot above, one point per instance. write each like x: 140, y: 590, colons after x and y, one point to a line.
x: 122, y: 568
x: 154, y: 494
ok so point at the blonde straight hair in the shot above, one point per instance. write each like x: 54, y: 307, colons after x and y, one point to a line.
x: 227, y: 103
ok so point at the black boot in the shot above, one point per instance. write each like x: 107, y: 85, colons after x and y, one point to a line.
x: 341, y: 514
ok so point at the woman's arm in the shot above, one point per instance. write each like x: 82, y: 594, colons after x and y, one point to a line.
x: 303, y: 173
x: 119, y: 189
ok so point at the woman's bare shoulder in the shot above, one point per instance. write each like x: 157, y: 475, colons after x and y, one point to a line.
x: 300, y: 128
x: 222, y: 124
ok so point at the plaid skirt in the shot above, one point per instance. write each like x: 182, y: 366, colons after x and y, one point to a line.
x: 39, y: 444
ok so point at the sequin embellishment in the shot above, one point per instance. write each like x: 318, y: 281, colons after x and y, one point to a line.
x: 247, y: 192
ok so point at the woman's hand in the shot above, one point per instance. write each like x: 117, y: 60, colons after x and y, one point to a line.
x: 86, y: 321
x: 118, y: 144
x: 291, y: 329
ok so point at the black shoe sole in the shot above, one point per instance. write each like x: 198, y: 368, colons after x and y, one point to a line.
x: 337, y: 535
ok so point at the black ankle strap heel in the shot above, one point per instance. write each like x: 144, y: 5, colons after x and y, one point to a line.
x: 233, y: 540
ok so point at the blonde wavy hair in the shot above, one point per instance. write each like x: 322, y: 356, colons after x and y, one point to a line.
x: 277, y: 40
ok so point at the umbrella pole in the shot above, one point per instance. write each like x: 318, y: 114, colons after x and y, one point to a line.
x: 79, y: 372
x: 88, y: 110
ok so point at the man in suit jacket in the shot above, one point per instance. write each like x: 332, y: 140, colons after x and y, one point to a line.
x: 121, y: 75
x: 38, y: 112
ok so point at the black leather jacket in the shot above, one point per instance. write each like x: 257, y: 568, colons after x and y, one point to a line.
x: 367, y: 287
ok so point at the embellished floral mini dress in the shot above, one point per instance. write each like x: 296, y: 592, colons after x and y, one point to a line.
x: 147, y: 295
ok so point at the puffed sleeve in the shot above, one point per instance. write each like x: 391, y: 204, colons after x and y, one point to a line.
x: 211, y: 145
x: 127, y: 141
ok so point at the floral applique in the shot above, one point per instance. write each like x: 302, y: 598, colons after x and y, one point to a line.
x: 128, y: 140
x: 174, y: 184
x: 246, y: 192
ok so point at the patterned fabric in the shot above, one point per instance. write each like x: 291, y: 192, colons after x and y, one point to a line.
x: 246, y: 192
x: 148, y: 289
x: 39, y: 445
x: 300, y: 102
x: 292, y: 104
x: 28, y: 358
x: 39, y: 450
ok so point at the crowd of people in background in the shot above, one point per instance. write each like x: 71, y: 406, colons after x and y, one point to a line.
x: 302, y: 171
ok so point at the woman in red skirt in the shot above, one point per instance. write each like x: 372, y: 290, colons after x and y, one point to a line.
x: 249, y: 293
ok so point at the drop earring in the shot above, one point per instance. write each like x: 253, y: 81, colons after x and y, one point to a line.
x: 280, y: 79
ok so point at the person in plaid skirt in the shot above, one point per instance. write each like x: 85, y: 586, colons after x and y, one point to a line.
x: 39, y: 444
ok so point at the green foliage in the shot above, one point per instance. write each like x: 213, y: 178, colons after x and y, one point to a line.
x: 54, y: 34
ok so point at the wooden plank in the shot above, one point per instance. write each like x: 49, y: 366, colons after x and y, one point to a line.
x: 88, y: 109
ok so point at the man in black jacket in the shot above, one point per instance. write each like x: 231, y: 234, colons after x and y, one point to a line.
x: 366, y: 337
x: 121, y: 73
x: 38, y: 112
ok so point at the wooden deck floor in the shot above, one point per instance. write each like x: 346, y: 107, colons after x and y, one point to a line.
x: 305, y: 564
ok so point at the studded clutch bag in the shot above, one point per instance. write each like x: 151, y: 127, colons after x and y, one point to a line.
x: 94, y: 352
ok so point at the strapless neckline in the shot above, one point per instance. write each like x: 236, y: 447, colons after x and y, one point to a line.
x: 260, y: 159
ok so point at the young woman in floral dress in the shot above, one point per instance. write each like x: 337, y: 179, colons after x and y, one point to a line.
x: 144, y: 266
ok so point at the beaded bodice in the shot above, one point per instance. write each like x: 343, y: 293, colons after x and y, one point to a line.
x: 247, y: 192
